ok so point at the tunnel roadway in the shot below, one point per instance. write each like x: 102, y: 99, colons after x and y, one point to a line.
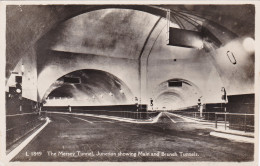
x: 171, y: 138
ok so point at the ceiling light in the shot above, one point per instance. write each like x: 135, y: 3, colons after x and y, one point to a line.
x: 249, y: 44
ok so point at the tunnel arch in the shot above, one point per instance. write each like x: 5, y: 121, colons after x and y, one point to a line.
x: 73, y: 11
x: 176, y: 97
x: 64, y: 64
x: 95, y: 85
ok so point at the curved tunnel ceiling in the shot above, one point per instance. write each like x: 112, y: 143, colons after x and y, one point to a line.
x: 19, y: 18
x: 119, y: 33
x: 123, y: 33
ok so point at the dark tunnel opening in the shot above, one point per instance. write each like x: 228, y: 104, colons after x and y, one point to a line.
x: 95, y: 87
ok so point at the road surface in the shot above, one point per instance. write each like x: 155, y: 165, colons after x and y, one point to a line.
x: 82, y: 138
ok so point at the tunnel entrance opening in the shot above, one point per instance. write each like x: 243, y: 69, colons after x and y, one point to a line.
x: 176, y: 93
x: 96, y: 87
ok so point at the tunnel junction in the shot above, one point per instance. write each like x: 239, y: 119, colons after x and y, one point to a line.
x: 137, y: 62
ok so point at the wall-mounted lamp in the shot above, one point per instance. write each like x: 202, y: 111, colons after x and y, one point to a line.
x: 22, y: 69
x: 110, y: 93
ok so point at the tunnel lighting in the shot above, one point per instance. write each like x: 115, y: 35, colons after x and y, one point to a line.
x: 18, y: 90
x: 249, y: 44
x: 198, y: 44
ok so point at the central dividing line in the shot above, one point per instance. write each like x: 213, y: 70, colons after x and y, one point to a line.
x: 82, y: 119
x: 103, y: 121
x: 170, y: 118
x: 186, y: 119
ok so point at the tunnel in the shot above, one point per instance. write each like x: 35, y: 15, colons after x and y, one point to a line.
x: 91, y: 86
x: 170, y: 69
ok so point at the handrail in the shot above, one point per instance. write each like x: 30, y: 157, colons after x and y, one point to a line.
x: 228, y: 113
x: 234, y: 113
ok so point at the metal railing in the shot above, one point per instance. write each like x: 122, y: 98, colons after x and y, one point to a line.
x: 235, y: 121
x: 204, y: 115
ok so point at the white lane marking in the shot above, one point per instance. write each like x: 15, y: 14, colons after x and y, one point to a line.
x: 154, y: 120
x: 170, y: 118
x: 20, y: 114
x: 18, y: 149
x: 65, y: 119
x: 178, y: 121
x: 82, y: 119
